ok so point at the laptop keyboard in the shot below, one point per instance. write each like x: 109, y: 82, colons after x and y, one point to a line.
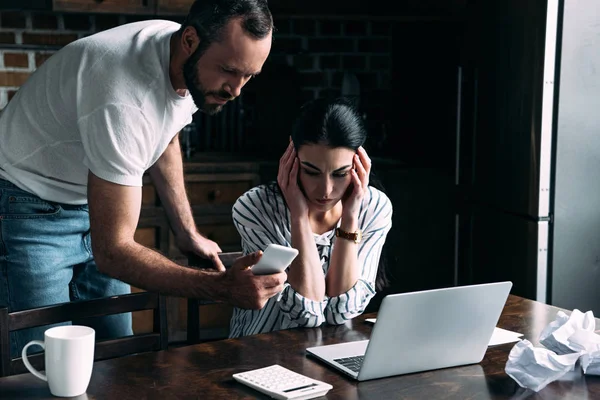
x: 352, y: 363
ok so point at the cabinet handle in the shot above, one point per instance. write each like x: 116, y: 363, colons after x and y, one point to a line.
x: 214, y: 194
x: 459, y: 97
x: 98, y: 1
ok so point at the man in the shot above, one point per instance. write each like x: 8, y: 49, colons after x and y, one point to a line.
x: 76, y: 140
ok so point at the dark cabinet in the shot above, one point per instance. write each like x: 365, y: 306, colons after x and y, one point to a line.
x: 173, y: 7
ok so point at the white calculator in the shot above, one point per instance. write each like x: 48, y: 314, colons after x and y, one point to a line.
x: 281, y: 383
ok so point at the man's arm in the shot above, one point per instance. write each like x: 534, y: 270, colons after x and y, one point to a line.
x: 114, y: 215
x: 167, y: 176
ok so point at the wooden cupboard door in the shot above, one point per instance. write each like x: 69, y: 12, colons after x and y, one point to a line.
x: 142, y: 321
x: 225, y: 235
x: 149, y: 196
x: 223, y: 192
x: 146, y: 237
x: 173, y: 7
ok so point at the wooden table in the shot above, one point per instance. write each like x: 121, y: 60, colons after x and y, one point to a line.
x: 204, y: 371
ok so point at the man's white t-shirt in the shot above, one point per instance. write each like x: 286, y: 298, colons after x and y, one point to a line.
x: 103, y: 103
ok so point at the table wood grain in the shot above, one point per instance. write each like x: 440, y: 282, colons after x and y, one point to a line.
x: 204, y: 371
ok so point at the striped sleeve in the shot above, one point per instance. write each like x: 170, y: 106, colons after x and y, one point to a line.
x: 300, y: 311
x: 260, y: 218
x: 375, y: 221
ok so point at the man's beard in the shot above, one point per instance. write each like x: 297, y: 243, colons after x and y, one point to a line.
x: 192, y: 81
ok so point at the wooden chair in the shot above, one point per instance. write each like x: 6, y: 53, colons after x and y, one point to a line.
x: 195, y: 333
x: 157, y: 340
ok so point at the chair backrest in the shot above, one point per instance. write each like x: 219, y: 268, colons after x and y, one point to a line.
x: 64, y: 312
x: 194, y: 330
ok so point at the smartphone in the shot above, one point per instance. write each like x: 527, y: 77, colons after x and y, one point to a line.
x: 275, y: 258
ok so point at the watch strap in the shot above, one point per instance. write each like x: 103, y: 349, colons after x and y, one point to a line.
x: 353, y: 236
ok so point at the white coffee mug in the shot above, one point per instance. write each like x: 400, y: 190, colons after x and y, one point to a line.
x: 69, y: 359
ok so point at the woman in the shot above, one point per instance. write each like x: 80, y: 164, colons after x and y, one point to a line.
x: 323, y: 206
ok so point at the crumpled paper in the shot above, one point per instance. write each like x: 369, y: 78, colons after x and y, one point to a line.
x: 567, y: 341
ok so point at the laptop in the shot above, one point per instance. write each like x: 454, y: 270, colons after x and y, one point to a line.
x: 422, y: 331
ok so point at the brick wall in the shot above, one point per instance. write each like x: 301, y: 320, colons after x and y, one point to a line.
x: 28, y: 39
x: 322, y: 50
x: 319, y: 49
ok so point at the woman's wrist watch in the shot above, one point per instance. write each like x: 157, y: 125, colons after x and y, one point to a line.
x: 356, y: 236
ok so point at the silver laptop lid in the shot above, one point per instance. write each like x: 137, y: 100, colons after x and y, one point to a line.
x: 433, y: 329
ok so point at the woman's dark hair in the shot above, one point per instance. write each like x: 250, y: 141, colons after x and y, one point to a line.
x: 336, y: 123
x: 209, y: 17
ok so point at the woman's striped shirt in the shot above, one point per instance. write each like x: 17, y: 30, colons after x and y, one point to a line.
x: 262, y: 217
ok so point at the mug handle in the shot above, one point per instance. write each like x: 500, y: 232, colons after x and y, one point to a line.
x: 34, y: 371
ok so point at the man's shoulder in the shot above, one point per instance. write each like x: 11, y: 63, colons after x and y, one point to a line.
x: 131, y: 62
x: 133, y: 31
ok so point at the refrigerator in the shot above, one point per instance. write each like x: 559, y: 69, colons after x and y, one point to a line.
x: 527, y: 150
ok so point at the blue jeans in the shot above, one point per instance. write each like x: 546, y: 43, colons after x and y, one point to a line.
x: 46, y: 258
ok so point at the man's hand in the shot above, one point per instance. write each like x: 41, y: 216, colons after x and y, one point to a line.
x: 245, y: 290
x: 201, y: 246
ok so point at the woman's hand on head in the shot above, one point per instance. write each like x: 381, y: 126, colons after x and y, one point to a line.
x: 359, y: 184
x: 287, y: 178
